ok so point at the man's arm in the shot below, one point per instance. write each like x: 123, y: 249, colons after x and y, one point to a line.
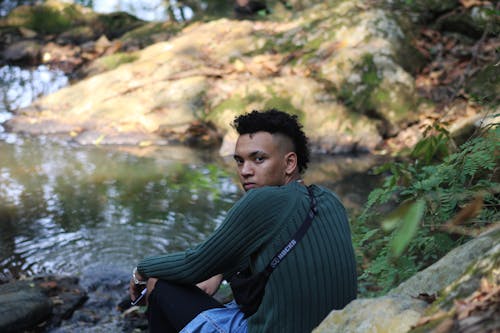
x: 211, y: 285
x: 245, y: 228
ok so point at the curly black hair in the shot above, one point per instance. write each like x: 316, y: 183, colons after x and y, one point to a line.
x: 276, y: 121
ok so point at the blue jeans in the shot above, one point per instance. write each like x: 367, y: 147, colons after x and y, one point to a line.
x: 228, y: 319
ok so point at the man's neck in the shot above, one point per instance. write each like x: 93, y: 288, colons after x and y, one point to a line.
x: 295, y: 178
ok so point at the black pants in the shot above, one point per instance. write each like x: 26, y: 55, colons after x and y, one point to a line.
x: 172, y: 306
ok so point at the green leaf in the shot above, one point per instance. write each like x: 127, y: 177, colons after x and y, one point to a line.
x: 405, y: 220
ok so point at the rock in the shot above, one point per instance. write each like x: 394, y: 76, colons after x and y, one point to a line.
x: 167, y: 86
x: 27, y: 51
x: 442, y: 273
x: 64, y: 57
x: 426, y: 6
x: 22, y: 306
x: 148, y: 34
x: 330, y: 125
x: 485, y: 84
x: 385, y: 314
x: 365, y: 60
x: 345, y: 68
x: 76, y: 35
x: 27, y: 33
x: 102, y: 44
x: 39, y: 301
x: 456, y: 276
x: 473, y: 21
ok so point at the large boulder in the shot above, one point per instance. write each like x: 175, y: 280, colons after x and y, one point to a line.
x: 343, y: 68
x: 22, y: 306
x: 38, y: 302
x: 73, y: 21
x: 452, y: 280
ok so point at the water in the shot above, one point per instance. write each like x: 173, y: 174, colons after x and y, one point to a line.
x: 19, y: 87
x: 145, y: 10
x: 93, y: 212
x: 65, y: 208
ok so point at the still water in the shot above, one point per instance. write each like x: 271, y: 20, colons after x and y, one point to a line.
x: 65, y: 208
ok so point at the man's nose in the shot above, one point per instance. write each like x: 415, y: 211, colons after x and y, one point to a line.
x: 246, y: 169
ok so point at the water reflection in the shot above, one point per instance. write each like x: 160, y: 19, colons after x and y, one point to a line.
x: 64, y: 208
x: 19, y: 87
x: 6, y: 6
x: 155, y: 10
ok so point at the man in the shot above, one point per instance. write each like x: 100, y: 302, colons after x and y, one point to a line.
x: 315, y: 277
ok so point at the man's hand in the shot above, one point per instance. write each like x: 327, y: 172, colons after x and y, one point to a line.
x: 211, y: 285
x: 134, y: 289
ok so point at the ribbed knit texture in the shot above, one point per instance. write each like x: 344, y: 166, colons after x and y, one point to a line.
x: 317, y: 276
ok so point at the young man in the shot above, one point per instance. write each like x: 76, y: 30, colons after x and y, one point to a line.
x: 315, y: 277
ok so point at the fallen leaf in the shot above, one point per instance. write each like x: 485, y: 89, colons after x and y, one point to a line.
x: 472, y: 3
x: 469, y: 211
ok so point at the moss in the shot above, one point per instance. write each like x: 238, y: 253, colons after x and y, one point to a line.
x: 151, y: 33
x: 46, y: 20
x: 275, y: 44
x: 357, y: 96
x: 372, y: 96
x: 116, y: 24
x: 314, y: 44
x: 49, y: 18
x: 236, y: 103
x: 284, y: 104
x: 395, y: 106
x: 147, y: 30
x: 113, y: 61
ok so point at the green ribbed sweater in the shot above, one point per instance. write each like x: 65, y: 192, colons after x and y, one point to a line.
x: 317, y: 276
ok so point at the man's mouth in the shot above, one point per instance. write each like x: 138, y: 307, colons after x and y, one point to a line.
x: 248, y: 186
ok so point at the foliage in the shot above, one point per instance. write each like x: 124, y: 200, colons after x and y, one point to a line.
x: 47, y: 20
x: 442, y: 194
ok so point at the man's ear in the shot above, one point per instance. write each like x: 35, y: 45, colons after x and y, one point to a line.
x: 291, y: 163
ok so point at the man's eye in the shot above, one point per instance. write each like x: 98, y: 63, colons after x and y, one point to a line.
x: 259, y: 159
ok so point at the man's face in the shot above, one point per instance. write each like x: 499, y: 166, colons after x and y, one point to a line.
x: 261, y: 159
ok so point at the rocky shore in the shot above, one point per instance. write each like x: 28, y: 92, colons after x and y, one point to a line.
x: 459, y: 293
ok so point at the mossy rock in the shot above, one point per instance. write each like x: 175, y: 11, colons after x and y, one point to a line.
x: 454, y: 277
x: 426, y: 6
x: 473, y: 22
x: 150, y: 33
x: 116, y: 24
x: 480, y: 274
x: 484, y: 86
x: 51, y: 17
x: 228, y: 109
x: 367, y: 92
x: 77, y: 35
x: 109, y: 62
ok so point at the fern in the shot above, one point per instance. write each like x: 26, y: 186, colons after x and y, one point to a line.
x: 445, y: 179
